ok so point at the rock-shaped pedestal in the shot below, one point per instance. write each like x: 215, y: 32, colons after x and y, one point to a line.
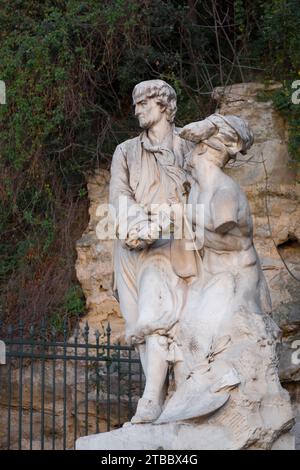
x: 177, y: 436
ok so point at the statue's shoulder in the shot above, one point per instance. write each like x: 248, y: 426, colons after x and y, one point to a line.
x: 128, y: 145
x: 184, y: 145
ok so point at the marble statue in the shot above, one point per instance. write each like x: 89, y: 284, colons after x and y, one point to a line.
x: 151, y: 273
x: 197, y: 303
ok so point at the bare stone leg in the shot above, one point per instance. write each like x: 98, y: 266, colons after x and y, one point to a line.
x: 150, y: 405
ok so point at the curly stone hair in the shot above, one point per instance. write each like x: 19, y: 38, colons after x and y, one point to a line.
x: 162, y: 91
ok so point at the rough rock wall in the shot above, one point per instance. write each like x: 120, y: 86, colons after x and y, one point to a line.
x: 269, y: 181
x: 94, y: 265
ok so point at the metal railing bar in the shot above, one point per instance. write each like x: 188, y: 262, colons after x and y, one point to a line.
x: 65, y: 389
x: 24, y: 354
x: 21, y: 326
x: 86, y: 336
x: 108, y: 364
x: 27, y: 342
x: 53, y: 393
x: 129, y: 387
x: 97, y: 335
x: 75, y: 388
x: 42, y: 392
x: 119, y: 389
x: 31, y: 395
x: 9, y: 396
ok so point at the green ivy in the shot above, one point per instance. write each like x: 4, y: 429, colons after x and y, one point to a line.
x: 282, y: 101
x: 74, y: 303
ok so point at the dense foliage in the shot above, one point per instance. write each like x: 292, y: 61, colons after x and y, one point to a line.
x: 69, y: 68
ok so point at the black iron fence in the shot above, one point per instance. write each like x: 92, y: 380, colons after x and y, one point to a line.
x: 57, y: 386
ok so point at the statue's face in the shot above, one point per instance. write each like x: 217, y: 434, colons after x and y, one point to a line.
x: 148, y: 112
x: 204, y: 153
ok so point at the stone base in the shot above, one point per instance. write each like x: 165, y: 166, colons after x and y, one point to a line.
x: 174, y: 436
x: 285, y: 442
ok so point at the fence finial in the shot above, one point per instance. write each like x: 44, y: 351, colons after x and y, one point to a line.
x: 21, y: 328
x: 65, y: 328
x: 86, y: 332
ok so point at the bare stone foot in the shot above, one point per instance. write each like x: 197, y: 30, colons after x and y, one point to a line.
x: 146, y: 412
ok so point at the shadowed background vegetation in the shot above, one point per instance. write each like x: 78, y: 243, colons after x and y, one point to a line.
x: 69, y: 69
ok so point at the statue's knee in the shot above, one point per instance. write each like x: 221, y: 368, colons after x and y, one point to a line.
x: 161, y: 340
x: 142, y: 327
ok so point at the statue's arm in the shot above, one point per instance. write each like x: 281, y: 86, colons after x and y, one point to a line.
x: 119, y: 181
x: 132, y: 220
x: 224, y: 210
x: 198, y: 131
